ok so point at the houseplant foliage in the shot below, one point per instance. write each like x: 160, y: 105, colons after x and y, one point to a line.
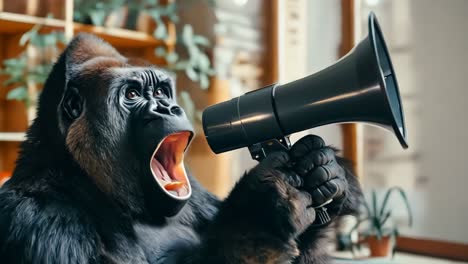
x: 193, y: 60
x: 21, y: 71
x: 376, y: 223
x: 94, y: 11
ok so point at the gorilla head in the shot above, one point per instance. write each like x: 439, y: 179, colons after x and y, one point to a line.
x: 119, y: 122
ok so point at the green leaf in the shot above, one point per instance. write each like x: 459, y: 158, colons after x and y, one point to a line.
x: 405, y: 201
x: 97, y: 17
x: 172, y: 57
x: 384, y: 219
x: 201, y: 40
x: 152, y: 2
x: 30, y: 34
x: 155, y: 13
x: 174, y: 18
x: 203, y: 62
x: 181, y: 65
x: 192, y: 74
x: 204, y: 81
x: 211, y: 72
x: 161, y: 31
x: 160, y: 51
x: 187, y: 34
x: 19, y: 93
x: 374, y: 203
x: 15, y: 80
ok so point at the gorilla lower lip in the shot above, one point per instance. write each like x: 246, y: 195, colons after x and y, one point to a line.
x: 167, y: 165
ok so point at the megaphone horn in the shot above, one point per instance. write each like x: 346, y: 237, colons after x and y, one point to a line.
x: 360, y: 87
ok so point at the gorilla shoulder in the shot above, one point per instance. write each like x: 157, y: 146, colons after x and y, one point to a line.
x: 38, y: 229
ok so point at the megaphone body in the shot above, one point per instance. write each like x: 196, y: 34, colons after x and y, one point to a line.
x: 361, y: 87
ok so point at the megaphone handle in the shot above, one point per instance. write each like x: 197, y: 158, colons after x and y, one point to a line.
x: 259, y: 151
x: 321, y: 215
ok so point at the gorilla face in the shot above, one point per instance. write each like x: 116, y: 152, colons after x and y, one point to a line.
x: 124, y: 127
x: 158, y: 125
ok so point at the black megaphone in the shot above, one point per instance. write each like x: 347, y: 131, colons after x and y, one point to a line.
x: 360, y: 87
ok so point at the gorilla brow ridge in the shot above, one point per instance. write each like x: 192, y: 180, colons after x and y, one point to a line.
x: 152, y: 78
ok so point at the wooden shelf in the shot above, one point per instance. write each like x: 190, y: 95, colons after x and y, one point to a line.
x: 11, y: 23
x: 122, y: 38
x: 12, y: 26
x: 12, y: 136
x: 19, y: 23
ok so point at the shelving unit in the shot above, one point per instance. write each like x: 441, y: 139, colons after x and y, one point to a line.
x: 12, y: 136
x: 18, y: 23
x: 13, y: 119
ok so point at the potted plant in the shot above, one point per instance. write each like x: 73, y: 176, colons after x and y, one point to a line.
x: 376, y: 225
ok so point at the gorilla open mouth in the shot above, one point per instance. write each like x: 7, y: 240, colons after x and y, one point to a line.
x: 167, y: 165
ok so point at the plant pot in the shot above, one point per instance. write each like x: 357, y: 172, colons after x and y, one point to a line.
x: 379, y: 247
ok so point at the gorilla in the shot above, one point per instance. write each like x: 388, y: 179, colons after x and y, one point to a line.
x: 101, y: 179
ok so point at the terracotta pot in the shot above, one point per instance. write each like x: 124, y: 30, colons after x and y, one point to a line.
x: 379, y: 247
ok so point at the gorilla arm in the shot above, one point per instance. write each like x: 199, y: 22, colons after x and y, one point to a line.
x: 257, y: 223
x: 268, y: 210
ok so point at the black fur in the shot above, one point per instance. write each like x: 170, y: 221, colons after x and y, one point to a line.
x: 76, y: 195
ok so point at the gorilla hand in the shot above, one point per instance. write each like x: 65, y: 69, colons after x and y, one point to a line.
x: 269, y: 213
x: 324, y: 178
x: 263, y: 216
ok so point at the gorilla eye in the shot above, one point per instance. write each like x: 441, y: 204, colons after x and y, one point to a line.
x: 132, y: 94
x: 159, y: 92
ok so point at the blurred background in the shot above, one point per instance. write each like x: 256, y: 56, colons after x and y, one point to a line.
x: 217, y: 49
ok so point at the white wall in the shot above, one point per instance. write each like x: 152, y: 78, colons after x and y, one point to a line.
x: 323, y: 30
x: 428, y: 41
x: 440, y: 57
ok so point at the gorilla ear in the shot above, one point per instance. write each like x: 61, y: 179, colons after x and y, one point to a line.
x: 84, y: 47
x: 72, y: 103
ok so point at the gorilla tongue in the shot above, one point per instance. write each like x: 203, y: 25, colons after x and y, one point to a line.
x: 167, y: 164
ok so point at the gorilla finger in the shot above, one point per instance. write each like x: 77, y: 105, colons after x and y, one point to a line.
x: 306, y: 145
x: 295, y: 180
x: 313, y: 159
x: 318, y: 197
x: 327, y: 193
x: 321, y: 174
x: 275, y: 160
x: 323, y: 156
x: 336, y: 186
x: 292, y: 178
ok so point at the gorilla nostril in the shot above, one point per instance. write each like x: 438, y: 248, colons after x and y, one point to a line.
x: 176, y: 110
x: 164, y: 110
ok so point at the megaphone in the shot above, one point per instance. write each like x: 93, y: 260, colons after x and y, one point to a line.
x: 360, y: 87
